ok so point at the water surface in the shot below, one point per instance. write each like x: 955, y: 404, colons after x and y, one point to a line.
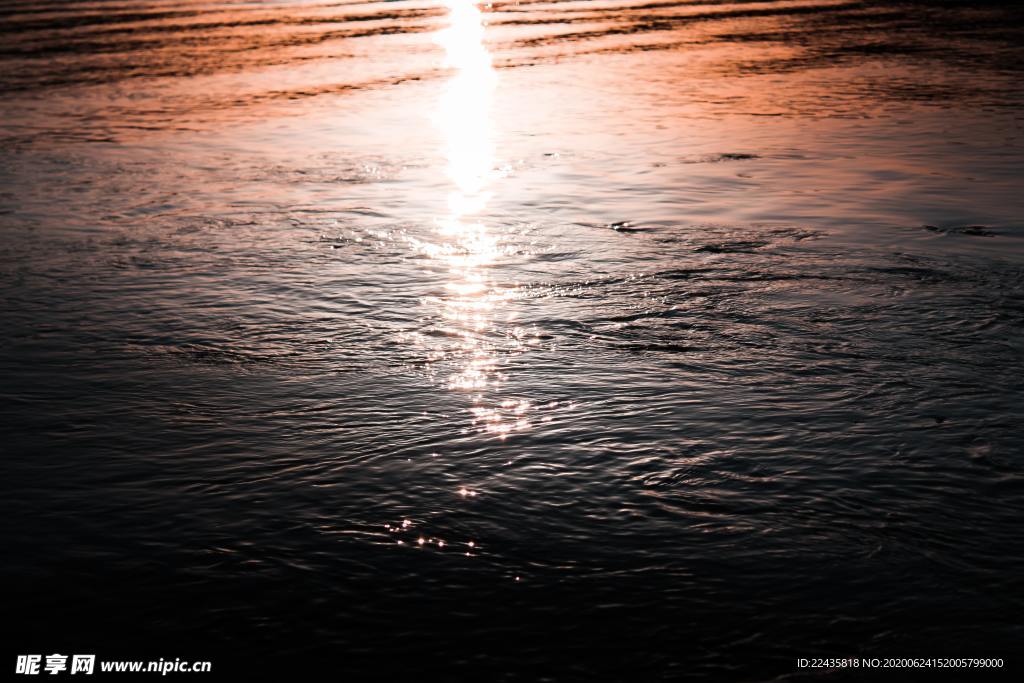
x: 536, y: 340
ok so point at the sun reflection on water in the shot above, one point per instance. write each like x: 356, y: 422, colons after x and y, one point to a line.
x: 465, y: 115
x: 473, y: 301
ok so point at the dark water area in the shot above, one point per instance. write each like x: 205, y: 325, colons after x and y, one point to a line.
x: 613, y: 340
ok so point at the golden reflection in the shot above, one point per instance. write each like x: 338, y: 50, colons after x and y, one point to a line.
x: 473, y: 301
x: 465, y: 119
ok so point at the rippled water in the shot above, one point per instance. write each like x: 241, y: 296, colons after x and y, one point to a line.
x: 545, y: 340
